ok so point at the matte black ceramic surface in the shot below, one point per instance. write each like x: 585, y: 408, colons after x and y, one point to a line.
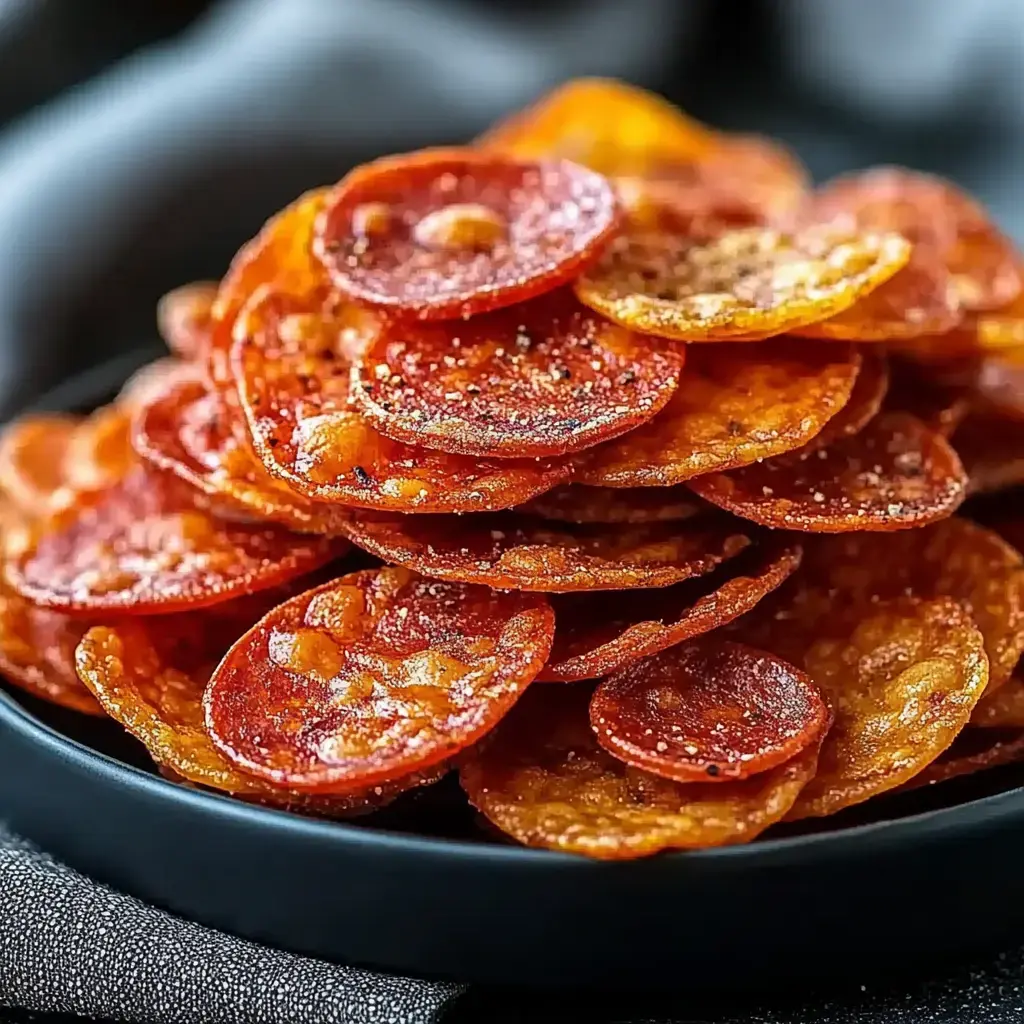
x: 420, y: 888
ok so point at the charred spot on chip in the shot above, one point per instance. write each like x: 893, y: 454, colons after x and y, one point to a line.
x: 463, y: 231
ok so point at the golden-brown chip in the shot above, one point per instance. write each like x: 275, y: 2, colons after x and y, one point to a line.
x: 736, y: 404
x: 745, y: 284
x: 542, y: 779
x: 578, y: 503
x: 974, y: 750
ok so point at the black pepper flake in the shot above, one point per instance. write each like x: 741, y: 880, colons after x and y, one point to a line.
x: 561, y: 373
x: 712, y: 770
x: 627, y: 377
x: 361, y: 475
x: 327, y: 353
x: 273, y: 442
x: 735, y: 428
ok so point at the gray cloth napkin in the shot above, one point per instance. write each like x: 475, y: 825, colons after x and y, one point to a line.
x: 69, y: 945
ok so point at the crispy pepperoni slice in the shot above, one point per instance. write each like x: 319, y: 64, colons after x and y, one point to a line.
x: 736, y: 404
x: 514, y: 552
x: 902, y: 676
x: 543, y: 779
x: 749, y: 283
x: 37, y: 653
x: 955, y: 558
x: 292, y: 373
x: 541, y: 379
x: 450, y: 233
x: 279, y: 259
x: 917, y: 300
x: 708, y: 709
x: 939, y: 219
x: 625, y: 132
x: 372, y: 677
x: 894, y: 474
x: 150, y: 675
x: 143, y: 546
x: 184, y: 319
x: 598, y: 634
x: 577, y: 503
x: 186, y: 429
x: 864, y: 403
x: 32, y: 451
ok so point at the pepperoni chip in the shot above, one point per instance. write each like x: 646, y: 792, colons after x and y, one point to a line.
x: 614, y: 128
x: 543, y: 779
x: 893, y: 475
x: 544, y: 378
x: 736, y: 404
x: 150, y: 677
x: 623, y: 131
x: 184, y: 318
x: 32, y: 451
x: 706, y: 710
x: 598, y: 634
x: 575, y: 503
x: 293, y: 384
x: 1003, y: 709
x: 512, y: 552
x: 1002, y: 329
x: 939, y: 219
x: 186, y: 431
x: 372, y: 677
x: 974, y: 750
x: 37, y: 653
x: 279, y: 259
x: 99, y: 453
x: 902, y: 676
x: 918, y: 299
x: 748, y: 283
x: 450, y: 233
x: 143, y: 546
x: 991, y: 449
x: 955, y: 558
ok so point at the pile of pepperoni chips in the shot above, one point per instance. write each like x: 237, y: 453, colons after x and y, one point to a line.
x: 375, y: 518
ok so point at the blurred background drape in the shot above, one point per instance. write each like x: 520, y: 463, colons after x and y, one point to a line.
x: 143, y: 142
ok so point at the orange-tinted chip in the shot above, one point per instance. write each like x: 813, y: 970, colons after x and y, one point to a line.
x: 292, y: 373
x: 32, y: 451
x: 1003, y: 709
x: 150, y: 676
x: 449, y: 233
x: 514, y: 552
x: 992, y: 451
x: 599, y: 633
x: 577, y: 503
x: 939, y: 219
x: 186, y: 430
x: 142, y: 546
x: 999, y: 384
x: 708, y: 709
x: 543, y: 779
x: 748, y: 283
x: 623, y: 131
x: 918, y: 299
x: 974, y: 750
x: 893, y: 475
x: 373, y: 677
x: 736, y: 404
x: 955, y: 558
x: 1001, y: 329
x: 543, y: 378
x: 99, y: 453
x: 37, y: 652
x: 279, y: 259
x: 902, y: 676
x: 184, y: 318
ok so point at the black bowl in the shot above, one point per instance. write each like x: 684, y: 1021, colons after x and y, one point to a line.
x: 420, y: 889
